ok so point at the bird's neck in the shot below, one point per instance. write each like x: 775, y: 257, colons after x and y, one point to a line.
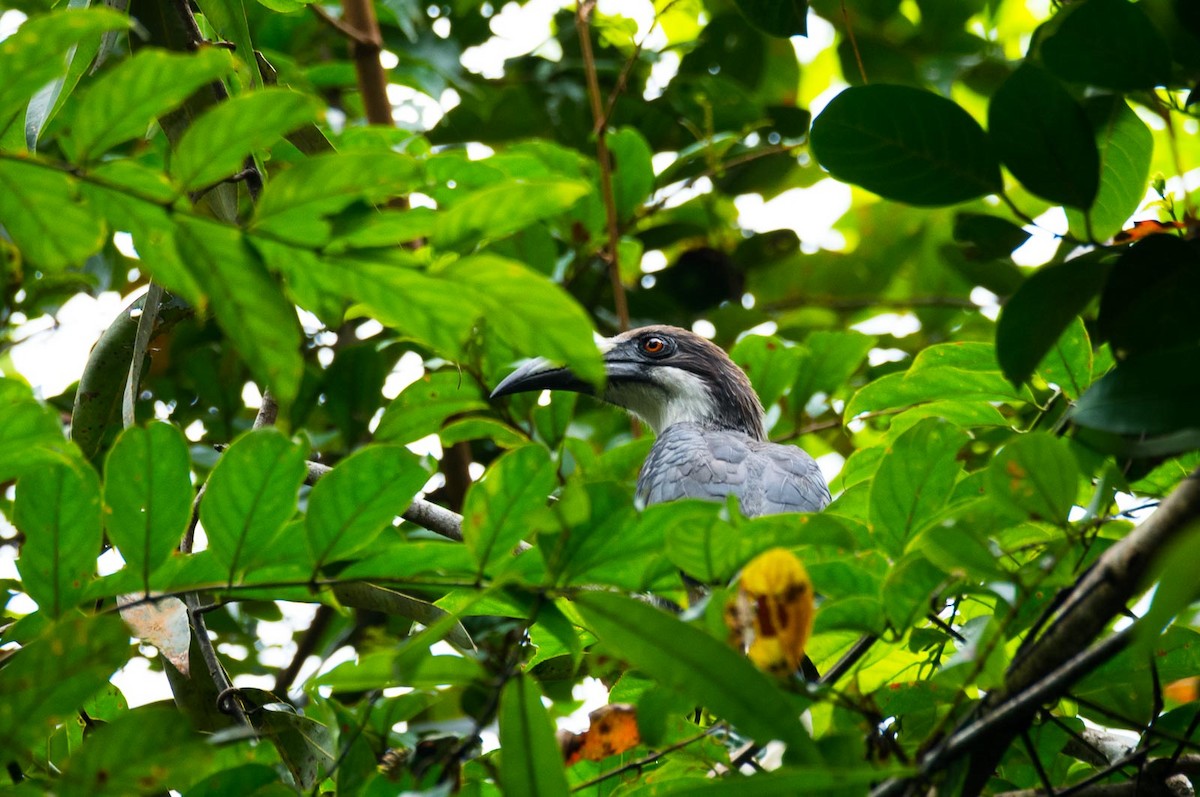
x: 684, y: 397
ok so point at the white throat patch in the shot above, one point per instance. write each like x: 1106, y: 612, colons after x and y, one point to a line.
x: 677, y: 396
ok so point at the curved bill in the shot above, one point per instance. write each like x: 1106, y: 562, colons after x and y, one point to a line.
x: 541, y: 374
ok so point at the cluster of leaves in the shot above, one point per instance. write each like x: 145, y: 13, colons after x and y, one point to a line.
x: 249, y: 188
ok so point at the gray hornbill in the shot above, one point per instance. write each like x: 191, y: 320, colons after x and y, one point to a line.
x: 709, y: 421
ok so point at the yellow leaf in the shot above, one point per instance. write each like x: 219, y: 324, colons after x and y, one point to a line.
x: 771, y: 616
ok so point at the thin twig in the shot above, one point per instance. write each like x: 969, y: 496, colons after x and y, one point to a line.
x: 341, y: 26
x: 611, y: 249
x: 862, y: 70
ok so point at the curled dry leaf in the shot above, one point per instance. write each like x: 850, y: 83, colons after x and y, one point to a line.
x: 771, y: 616
x: 161, y: 622
x: 613, y: 730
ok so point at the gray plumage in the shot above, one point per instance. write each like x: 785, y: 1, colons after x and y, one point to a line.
x: 711, y: 439
x: 691, y: 461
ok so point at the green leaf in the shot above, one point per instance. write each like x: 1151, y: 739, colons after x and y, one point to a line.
x: 294, y: 205
x: 360, y: 595
x: 1045, y: 305
x: 47, y: 681
x: 147, y: 494
x: 827, y: 360
x: 58, y: 510
x: 632, y: 171
x: 31, y: 435
x: 499, y: 210
x: 247, y: 303
x: 905, y: 144
x: 1044, y: 137
x: 103, y: 766
x: 424, y: 406
x: 50, y: 222
x: 36, y: 53
x: 770, y: 362
x: 914, y: 481
x: 1037, y: 474
x: 126, y: 99
x: 354, y: 502
x: 1152, y: 297
x: 250, y: 495
x: 1151, y: 394
x: 306, y: 746
x: 216, y: 145
x: 530, y: 313
x: 530, y: 761
x: 1128, y: 683
x: 782, y: 18
x: 1174, y: 570
x: 504, y: 506
x: 1126, y: 146
x: 1070, y: 363
x: 685, y: 658
x: 950, y: 371
x: 228, y: 18
x: 1107, y: 43
x: 385, y: 228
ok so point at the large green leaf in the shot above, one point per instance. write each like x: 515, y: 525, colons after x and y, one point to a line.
x: 828, y: 358
x: 424, y: 406
x: 250, y: 495
x: 58, y: 510
x: 217, y: 144
x: 1126, y: 146
x: 633, y: 173
x: 295, y: 203
x: 48, y: 679
x: 1037, y: 474
x: 783, y: 782
x: 147, y: 494
x: 689, y: 660
x: 508, y: 503
x: 47, y: 217
x: 122, y: 104
x: 531, y: 762
x: 1035, y: 317
x: 905, y: 144
x: 914, y: 481
x: 529, y: 312
x: 103, y: 766
x: 770, y: 363
x: 31, y: 434
x: 945, y: 371
x: 247, y: 302
x: 496, y: 211
x: 355, y: 501
x: 1044, y: 137
x: 1107, y: 43
x: 36, y: 53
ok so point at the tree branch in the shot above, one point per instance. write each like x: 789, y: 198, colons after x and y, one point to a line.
x: 365, y: 48
x: 425, y: 514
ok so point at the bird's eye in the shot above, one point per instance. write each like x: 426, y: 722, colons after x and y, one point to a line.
x: 654, y: 346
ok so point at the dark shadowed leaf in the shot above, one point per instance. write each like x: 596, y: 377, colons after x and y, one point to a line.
x: 1151, y: 394
x: 122, y: 104
x: 531, y: 763
x: 361, y: 496
x: 147, y: 494
x: 1044, y: 137
x: 58, y: 510
x: 987, y: 237
x: 1152, y: 297
x: 1034, y: 319
x: 687, y: 659
x: 1108, y: 43
x: 250, y: 495
x: 1036, y: 474
x: 905, y: 144
x: 781, y: 18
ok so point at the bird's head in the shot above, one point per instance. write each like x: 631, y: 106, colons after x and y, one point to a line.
x: 664, y: 375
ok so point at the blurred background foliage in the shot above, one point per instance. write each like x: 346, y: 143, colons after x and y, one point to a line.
x: 930, y: 287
